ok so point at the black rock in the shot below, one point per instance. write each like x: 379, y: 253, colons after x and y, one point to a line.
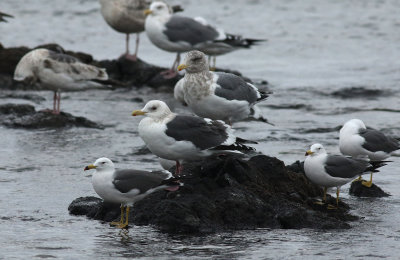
x: 359, y: 190
x: 359, y: 92
x: 227, y: 193
x: 25, y: 116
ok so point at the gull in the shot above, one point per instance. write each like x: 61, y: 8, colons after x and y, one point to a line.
x: 217, y: 95
x: 184, y: 137
x: 59, y: 72
x: 3, y: 15
x: 331, y: 170
x: 358, y: 141
x: 126, y: 186
x: 174, y: 33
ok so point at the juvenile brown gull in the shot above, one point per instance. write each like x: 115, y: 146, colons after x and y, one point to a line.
x: 184, y: 137
x: 59, y: 72
x: 217, y: 95
x: 358, y: 141
x: 126, y: 186
x: 331, y: 170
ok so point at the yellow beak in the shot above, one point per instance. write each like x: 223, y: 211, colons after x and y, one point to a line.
x: 89, y: 167
x: 309, y: 152
x: 147, y: 12
x: 182, y: 67
x: 138, y: 113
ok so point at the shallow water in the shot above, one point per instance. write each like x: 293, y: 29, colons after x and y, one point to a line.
x: 314, y: 48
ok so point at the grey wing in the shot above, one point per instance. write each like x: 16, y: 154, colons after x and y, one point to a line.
x: 72, y: 67
x: 232, y: 87
x: 343, y: 167
x: 186, y: 29
x: 204, y: 134
x: 376, y: 141
x: 127, y: 180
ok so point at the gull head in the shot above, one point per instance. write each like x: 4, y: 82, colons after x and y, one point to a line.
x: 352, y: 127
x: 195, y: 61
x: 26, y: 67
x: 155, y: 109
x: 158, y: 8
x: 316, y: 149
x: 101, y: 164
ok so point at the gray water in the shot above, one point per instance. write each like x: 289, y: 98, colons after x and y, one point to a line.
x: 314, y: 48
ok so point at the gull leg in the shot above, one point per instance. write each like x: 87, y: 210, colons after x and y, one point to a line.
x: 214, y: 67
x: 337, y: 200
x: 178, y: 168
x: 122, y: 218
x: 58, y: 102
x: 54, y: 102
x: 127, y: 44
x: 358, y: 179
x: 368, y: 184
x: 124, y: 225
x: 137, y: 44
x: 323, y: 198
x: 169, y: 74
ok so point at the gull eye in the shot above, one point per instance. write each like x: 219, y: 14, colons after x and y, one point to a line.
x: 159, y: 7
x: 153, y: 108
x: 196, y: 59
x: 103, y: 162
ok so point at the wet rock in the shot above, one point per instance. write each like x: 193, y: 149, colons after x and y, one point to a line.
x: 25, y: 116
x: 122, y: 70
x: 227, y: 193
x: 31, y: 97
x: 358, y: 92
x: 359, y: 190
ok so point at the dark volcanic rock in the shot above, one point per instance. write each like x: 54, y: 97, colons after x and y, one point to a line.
x: 359, y: 190
x: 227, y: 193
x: 25, y: 116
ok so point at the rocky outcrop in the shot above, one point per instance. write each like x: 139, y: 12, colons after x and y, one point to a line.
x: 227, y: 193
x: 25, y: 116
x: 359, y: 190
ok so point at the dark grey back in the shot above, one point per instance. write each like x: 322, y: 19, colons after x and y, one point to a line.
x: 343, y: 167
x: 126, y: 180
x: 180, y: 28
x: 376, y: 141
x: 195, y: 129
x: 233, y: 87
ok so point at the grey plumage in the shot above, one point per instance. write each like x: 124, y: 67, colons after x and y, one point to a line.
x: 203, y: 134
x: 180, y: 28
x: 376, y: 141
x: 342, y: 167
x: 232, y: 87
x: 127, y: 180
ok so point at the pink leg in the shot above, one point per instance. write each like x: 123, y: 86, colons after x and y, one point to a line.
x: 127, y: 55
x: 171, y: 73
x: 58, y: 103
x: 54, y: 102
x: 178, y: 168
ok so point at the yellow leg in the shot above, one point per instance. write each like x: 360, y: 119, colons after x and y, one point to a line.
x: 368, y: 183
x: 124, y: 225
x: 122, y: 218
x: 358, y: 179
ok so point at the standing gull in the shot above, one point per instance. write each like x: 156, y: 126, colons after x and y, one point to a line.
x: 126, y: 186
x: 125, y: 16
x: 217, y: 95
x: 183, y: 137
x: 358, y: 141
x: 179, y: 34
x: 331, y: 170
x: 56, y: 71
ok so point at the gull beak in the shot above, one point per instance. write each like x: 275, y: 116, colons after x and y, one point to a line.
x: 147, y: 12
x: 182, y: 67
x: 309, y: 152
x: 89, y: 167
x: 138, y: 113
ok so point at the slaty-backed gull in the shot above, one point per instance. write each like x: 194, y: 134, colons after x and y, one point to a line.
x: 184, y: 137
x: 126, y: 186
